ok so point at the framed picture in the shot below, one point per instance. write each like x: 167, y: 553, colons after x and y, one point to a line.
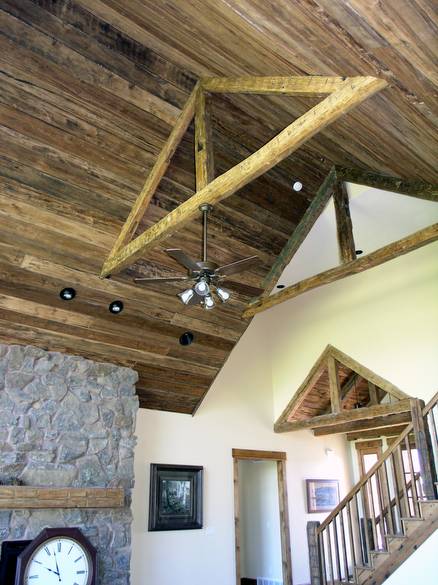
x: 322, y: 495
x: 175, y: 500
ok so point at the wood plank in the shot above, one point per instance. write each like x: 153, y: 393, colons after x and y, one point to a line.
x: 396, y: 249
x: 204, y: 162
x: 335, y: 392
x: 392, y: 431
x: 237, y: 518
x: 378, y: 422
x: 294, y: 86
x: 424, y: 447
x: 156, y: 174
x: 346, y: 416
x: 413, y: 187
x: 24, y: 497
x: 350, y: 95
x: 286, y: 559
x: 258, y: 455
x: 344, y: 226
x: 300, y: 233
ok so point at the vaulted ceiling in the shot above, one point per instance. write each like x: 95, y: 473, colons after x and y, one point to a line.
x: 89, y: 91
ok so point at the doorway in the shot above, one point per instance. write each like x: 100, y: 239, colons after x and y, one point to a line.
x: 261, y: 518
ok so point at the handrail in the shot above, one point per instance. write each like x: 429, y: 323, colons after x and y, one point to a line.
x: 356, y: 488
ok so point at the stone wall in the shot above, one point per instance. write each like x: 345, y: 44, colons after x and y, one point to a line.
x: 68, y: 421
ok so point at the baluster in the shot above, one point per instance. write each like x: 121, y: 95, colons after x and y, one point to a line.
x: 329, y: 540
x: 387, y: 497
x: 398, y: 508
x: 360, y: 539
x: 336, y: 544
x: 365, y: 529
x: 344, y: 545
x: 372, y: 511
x: 351, y: 538
x: 415, y: 504
x: 404, y: 484
x: 381, y: 502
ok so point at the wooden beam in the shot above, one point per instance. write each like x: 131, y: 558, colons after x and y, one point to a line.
x: 258, y: 455
x: 379, y: 422
x: 25, y: 497
x: 391, y: 431
x: 414, y: 188
x: 157, y: 173
x: 335, y: 394
x: 374, y: 399
x: 350, y: 94
x: 300, y: 233
x: 376, y: 258
x: 424, y: 447
x: 344, y: 226
x: 204, y: 161
x: 297, y: 86
x: 345, y: 416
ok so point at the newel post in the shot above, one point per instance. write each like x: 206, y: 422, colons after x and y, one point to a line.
x: 423, y: 444
x: 314, y: 553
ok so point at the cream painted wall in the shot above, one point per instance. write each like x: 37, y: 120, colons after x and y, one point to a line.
x: 238, y: 412
x: 386, y: 318
x: 260, y: 537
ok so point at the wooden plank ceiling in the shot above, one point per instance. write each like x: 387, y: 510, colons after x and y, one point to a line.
x: 89, y: 90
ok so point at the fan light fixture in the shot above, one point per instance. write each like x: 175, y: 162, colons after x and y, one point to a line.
x: 207, y: 276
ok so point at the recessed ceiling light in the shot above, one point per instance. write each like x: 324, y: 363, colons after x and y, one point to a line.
x: 67, y: 294
x: 186, y: 338
x: 297, y: 186
x: 359, y: 252
x: 281, y: 285
x: 116, y: 307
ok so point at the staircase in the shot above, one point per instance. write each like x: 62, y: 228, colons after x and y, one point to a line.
x: 387, y: 515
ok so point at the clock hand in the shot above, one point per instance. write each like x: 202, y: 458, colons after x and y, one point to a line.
x: 57, y: 568
x: 51, y: 570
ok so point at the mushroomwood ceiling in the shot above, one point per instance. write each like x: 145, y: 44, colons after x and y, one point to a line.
x: 89, y: 91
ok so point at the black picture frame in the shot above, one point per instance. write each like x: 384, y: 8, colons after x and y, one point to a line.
x: 175, y: 498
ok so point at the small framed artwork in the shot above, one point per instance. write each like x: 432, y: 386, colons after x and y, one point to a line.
x: 322, y: 495
x: 175, y: 500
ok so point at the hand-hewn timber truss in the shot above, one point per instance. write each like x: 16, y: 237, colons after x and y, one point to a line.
x: 343, y: 94
x: 334, y: 185
x: 357, y: 398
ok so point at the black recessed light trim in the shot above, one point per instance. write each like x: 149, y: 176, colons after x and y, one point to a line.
x: 281, y: 285
x: 186, y: 338
x: 116, y: 307
x: 359, y: 252
x: 67, y: 294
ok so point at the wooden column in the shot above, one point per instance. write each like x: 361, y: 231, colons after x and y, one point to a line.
x: 237, y: 518
x: 424, y: 447
x: 335, y: 394
x: 203, y: 141
x: 347, y: 249
x: 315, y: 560
x: 284, y: 523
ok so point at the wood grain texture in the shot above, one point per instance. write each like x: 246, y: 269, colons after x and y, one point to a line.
x: 297, y: 86
x: 24, y: 497
x: 344, y: 225
x: 258, y: 455
x: 89, y: 93
x: 349, y: 95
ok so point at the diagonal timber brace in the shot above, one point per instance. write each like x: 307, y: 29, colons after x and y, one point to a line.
x: 344, y: 95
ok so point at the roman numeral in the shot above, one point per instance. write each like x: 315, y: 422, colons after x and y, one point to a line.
x: 46, y: 548
x: 79, y: 558
x: 59, y: 547
x: 80, y: 572
x: 39, y: 562
x: 70, y: 550
x: 33, y: 576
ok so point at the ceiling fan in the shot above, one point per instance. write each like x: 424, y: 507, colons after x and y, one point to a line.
x: 206, y: 275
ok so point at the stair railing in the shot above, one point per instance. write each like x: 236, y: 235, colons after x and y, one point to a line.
x: 374, y: 508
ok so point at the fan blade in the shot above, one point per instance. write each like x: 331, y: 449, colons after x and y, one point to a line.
x: 245, y: 290
x: 238, y: 266
x: 182, y: 258
x: 162, y: 279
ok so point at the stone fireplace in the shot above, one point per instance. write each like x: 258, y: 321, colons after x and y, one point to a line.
x: 66, y: 421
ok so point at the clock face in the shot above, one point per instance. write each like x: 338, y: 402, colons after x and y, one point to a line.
x: 59, y: 561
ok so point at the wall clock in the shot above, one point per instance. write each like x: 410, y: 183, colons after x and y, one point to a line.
x: 57, y: 556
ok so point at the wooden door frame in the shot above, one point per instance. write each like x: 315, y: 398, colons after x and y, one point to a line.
x: 280, y: 458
